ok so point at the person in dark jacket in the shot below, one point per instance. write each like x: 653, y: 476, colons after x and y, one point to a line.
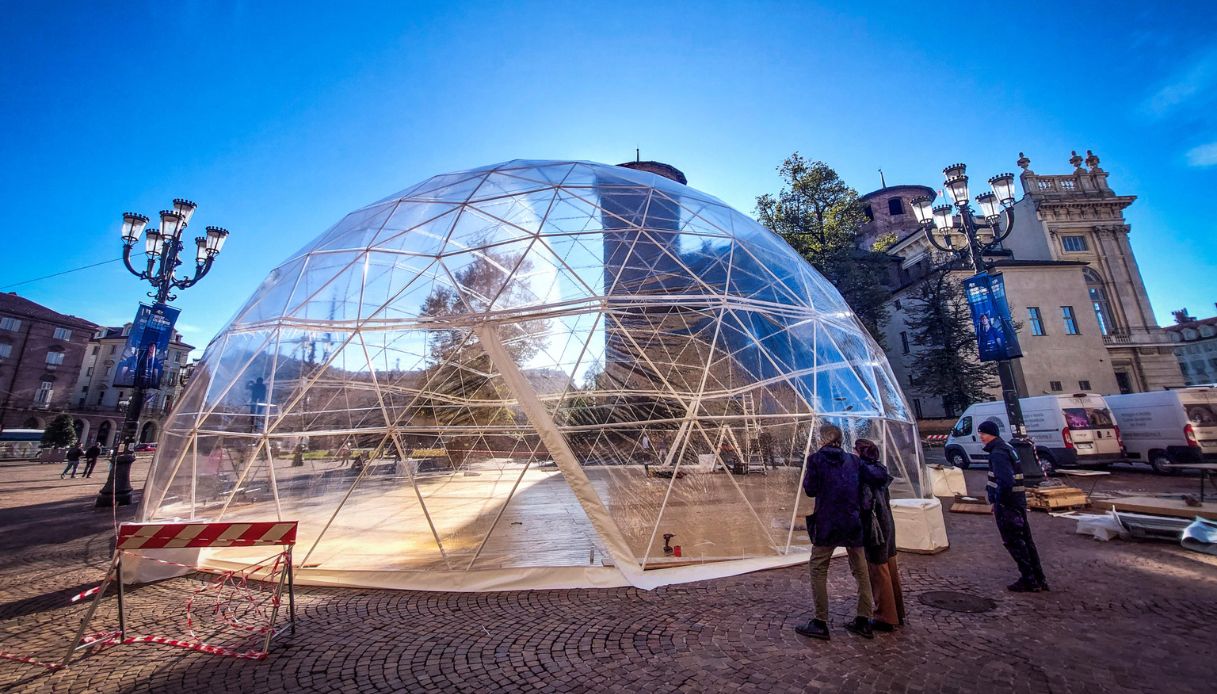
x: 1009, y: 502
x: 73, y: 455
x: 835, y: 479
x: 91, y: 457
x: 881, y: 551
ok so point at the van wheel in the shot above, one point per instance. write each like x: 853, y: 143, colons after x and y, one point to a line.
x: 1046, y: 462
x: 1162, y: 465
x: 958, y: 459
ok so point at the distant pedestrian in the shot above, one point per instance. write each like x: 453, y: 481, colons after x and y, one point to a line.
x: 73, y: 455
x: 881, y: 543
x: 835, y: 479
x: 1009, y: 502
x: 91, y: 457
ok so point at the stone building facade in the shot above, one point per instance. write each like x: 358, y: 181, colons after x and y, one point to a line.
x: 1195, y: 345
x: 101, y: 405
x: 1072, y: 282
x: 41, y: 351
x: 52, y: 363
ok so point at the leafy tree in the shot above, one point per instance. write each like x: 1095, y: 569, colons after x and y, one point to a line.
x: 946, y: 363
x: 462, y: 386
x: 819, y: 216
x: 60, y: 433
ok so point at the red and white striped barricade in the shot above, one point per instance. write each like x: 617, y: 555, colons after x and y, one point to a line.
x: 136, y: 537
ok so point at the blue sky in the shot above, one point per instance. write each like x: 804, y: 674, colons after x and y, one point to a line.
x: 279, y: 118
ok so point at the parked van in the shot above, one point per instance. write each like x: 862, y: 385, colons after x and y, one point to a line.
x: 1167, y: 427
x: 1068, y: 430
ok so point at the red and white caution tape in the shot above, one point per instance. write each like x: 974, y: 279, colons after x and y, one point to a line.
x: 197, y: 646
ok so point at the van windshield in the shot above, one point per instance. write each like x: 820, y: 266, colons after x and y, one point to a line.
x: 1202, y: 415
x: 1088, y: 418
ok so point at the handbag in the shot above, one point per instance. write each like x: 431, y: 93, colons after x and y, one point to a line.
x: 876, y: 537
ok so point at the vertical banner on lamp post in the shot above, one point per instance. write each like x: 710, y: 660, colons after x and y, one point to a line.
x: 995, y: 336
x: 143, y: 360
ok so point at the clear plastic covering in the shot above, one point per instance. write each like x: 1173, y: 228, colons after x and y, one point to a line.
x: 527, y: 367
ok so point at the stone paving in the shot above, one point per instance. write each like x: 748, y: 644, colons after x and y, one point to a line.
x: 1122, y: 617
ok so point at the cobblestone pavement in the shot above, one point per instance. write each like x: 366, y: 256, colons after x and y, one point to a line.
x: 1122, y: 617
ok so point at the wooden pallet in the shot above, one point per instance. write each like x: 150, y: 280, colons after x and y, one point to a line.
x: 1056, y: 498
x: 1158, y: 506
x: 970, y: 504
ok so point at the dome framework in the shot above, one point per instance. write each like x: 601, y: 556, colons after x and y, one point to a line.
x: 532, y: 374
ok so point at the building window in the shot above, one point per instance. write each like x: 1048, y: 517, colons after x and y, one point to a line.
x: 1037, y: 321
x: 895, y: 206
x: 1123, y: 382
x: 10, y: 324
x: 904, y: 342
x: 1099, y: 302
x: 54, y: 357
x: 1074, y: 244
x: 1084, y: 385
x: 112, y: 349
x: 63, y: 334
x: 45, y: 390
x: 6, y: 350
x: 917, y: 408
x: 89, y: 371
x: 84, y: 389
x: 95, y: 348
x: 870, y: 214
x: 1055, y: 386
x: 1071, y: 321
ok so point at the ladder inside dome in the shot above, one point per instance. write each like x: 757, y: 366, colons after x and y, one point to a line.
x: 752, y: 435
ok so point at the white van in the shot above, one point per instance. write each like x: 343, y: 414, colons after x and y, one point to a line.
x: 1168, y: 426
x: 1067, y: 430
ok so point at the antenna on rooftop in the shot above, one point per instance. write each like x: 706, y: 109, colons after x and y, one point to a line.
x: 882, y: 181
x: 637, y: 154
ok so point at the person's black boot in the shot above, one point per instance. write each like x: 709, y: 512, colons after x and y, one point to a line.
x: 861, y: 627
x: 816, y: 629
x: 881, y: 626
x: 1022, y: 586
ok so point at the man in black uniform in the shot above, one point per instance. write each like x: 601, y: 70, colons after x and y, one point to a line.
x: 1009, y: 500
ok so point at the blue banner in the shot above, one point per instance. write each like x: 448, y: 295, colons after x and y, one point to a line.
x: 995, y: 336
x: 143, y: 360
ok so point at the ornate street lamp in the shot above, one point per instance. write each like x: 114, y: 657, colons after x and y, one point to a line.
x: 957, y: 232
x: 163, y: 256
x: 966, y: 237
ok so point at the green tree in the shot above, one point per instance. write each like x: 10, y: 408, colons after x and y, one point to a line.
x: 819, y: 216
x: 60, y: 433
x: 946, y: 363
x: 462, y: 385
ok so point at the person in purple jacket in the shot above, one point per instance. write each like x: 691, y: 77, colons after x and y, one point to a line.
x: 837, y: 480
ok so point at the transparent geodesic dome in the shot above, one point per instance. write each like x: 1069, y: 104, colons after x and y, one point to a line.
x: 532, y: 374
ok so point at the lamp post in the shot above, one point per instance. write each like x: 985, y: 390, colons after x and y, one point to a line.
x: 162, y: 249
x: 969, y: 241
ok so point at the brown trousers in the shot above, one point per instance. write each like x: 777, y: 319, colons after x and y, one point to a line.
x: 885, y: 586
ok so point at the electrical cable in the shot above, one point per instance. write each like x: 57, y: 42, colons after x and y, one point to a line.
x: 57, y: 274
